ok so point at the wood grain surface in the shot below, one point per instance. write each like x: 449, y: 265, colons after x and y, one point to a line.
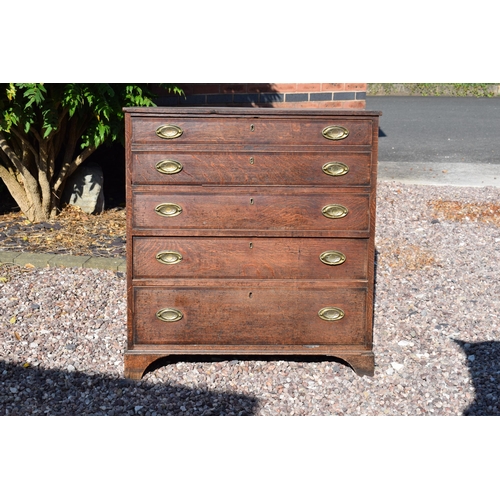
x: 262, y: 258
x: 246, y: 208
x: 251, y: 168
x: 246, y: 243
x: 241, y: 130
x: 223, y: 314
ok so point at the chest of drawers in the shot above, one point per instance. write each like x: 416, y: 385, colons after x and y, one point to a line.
x: 250, y: 232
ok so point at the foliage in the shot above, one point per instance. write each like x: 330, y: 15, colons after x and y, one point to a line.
x: 435, y: 89
x: 48, y: 130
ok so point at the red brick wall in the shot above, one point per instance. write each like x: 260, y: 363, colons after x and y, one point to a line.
x: 275, y: 95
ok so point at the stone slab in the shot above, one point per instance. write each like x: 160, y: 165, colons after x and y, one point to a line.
x: 85, y: 189
x: 62, y: 260
x: 105, y: 263
x: 68, y: 261
x: 8, y: 257
x: 34, y: 259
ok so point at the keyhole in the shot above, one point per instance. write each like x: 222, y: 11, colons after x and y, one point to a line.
x: 251, y: 201
x: 251, y: 245
x: 252, y: 128
x: 250, y: 295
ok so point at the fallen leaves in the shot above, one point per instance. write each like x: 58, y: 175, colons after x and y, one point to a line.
x: 411, y: 257
x: 72, y: 231
x: 488, y: 213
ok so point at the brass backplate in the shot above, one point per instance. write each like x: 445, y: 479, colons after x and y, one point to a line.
x: 169, y: 131
x: 168, y: 257
x: 332, y: 258
x: 169, y: 315
x: 335, y: 133
x: 168, y: 167
x: 168, y: 209
x: 335, y: 168
x: 331, y: 313
x: 334, y: 211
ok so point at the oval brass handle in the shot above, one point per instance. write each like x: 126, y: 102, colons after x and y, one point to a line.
x: 334, y: 211
x: 331, y: 313
x: 169, y: 315
x: 332, y: 258
x: 168, y: 167
x: 335, y: 133
x: 168, y: 257
x: 335, y: 168
x: 169, y: 131
x: 168, y: 209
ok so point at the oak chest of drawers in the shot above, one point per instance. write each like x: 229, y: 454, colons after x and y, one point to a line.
x: 250, y: 232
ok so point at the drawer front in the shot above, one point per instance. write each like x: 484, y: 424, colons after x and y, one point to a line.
x: 256, y: 209
x: 250, y: 315
x: 250, y: 168
x: 253, y: 258
x: 330, y: 132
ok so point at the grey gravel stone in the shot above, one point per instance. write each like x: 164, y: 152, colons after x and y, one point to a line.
x: 450, y: 357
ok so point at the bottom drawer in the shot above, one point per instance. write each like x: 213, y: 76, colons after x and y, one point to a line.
x: 250, y: 315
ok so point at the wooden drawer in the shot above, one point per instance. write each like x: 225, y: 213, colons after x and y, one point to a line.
x: 252, y: 168
x: 260, y: 209
x: 253, y: 258
x: 249, y: 314
x: 251, y: 130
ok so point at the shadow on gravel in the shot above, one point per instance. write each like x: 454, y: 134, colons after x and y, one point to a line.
x: 31, y: 391
x: 483, y: 359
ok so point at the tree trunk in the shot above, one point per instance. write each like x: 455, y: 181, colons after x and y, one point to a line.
x: 22, y: 185
x: 32, y: 211
x: 29, y: 173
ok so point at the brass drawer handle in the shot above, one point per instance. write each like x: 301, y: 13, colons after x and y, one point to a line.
x: 168, y: 209
x: 168, y: 257
x: 169, y: 315
x: 334, y: 211
x: 168, y: 167
x: 331, y: 313
x: 332, y: 258
x: 169, y: 131
x: 335, y: 133
x: 335, y: 168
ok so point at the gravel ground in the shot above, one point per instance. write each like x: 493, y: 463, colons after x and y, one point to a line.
x: 436, y: 332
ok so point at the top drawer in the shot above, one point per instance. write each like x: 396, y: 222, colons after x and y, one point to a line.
x: 247, y: 130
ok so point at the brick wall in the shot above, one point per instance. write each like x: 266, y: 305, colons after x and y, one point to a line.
x: 275, y: 95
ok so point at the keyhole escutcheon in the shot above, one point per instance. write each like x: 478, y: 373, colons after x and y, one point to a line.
x: 251, y: 201
x: 252, y: 127
x: 251, y: 160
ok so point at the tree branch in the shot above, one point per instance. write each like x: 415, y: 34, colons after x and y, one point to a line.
x: 43, y: 176
x: 13, y: 158
x: 24, y: 140
x: 31, y: 187
x: 15, y: 189
x: 69, y: 168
